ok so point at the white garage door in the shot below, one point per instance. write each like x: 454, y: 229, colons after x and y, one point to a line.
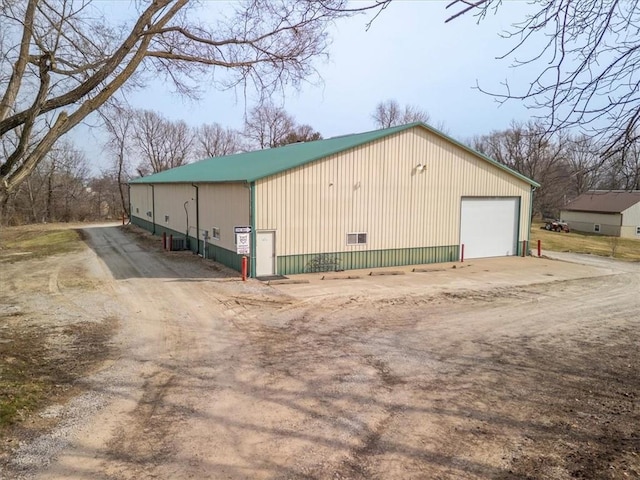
x: 489, y: 226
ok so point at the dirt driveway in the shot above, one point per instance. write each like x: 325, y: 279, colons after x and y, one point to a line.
x: 525, y: 373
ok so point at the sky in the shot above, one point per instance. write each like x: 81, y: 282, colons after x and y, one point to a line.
x: 408, y: 54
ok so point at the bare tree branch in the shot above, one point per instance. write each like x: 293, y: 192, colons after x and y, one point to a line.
x: 389, y: 114
x: 588, y: 53
x: 263, y: 44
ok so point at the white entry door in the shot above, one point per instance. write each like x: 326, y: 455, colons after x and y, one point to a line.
x: 489, y: 226
x: 265, y: 254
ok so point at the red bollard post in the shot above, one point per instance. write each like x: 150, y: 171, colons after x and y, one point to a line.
x: 524, y: 248
x: 462, y: 253
x: 164, y: 240
x: 244, y: 268
x: 539, y: 248
x: 170, y: 242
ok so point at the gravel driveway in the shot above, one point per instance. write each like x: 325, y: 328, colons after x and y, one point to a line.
x: 492, y: 378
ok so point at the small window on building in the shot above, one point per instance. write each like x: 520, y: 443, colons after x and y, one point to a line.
x: 166, y: 219
x: 215, y: 233
x: 356, y: 238
x: 596, y: 228
x: 137, y: 210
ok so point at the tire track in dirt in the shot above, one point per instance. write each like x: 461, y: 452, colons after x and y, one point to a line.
x: 231, y: 380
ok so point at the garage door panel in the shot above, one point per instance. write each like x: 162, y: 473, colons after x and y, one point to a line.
x: 489, y: 226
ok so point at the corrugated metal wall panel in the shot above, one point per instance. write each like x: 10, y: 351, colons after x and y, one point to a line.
x: 141, y: 202
x: 224, y: 205
x: 220, y: 205
x: 631, y: 216
x: 328, y: 262
x: 176, y: 207
x: 376, y: 189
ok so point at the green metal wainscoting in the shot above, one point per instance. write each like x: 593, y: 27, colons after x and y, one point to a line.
x: 225, y: 257
x: 293, y: 264
x: 148, y: 226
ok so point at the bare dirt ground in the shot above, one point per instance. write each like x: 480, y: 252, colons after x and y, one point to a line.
x: 494, y: 376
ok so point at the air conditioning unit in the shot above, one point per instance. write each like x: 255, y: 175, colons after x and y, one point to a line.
x: 178, y: 244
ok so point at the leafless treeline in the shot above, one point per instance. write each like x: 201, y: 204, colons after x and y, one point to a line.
x: 139, y: 142
x: 61, y: 189
x: 565, y: 165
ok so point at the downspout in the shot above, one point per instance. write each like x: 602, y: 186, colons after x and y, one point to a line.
x: 533, y: 189
x: 252, y: 223
x: 129, y: 193
x: 197, y: 218
x: 153, y: 208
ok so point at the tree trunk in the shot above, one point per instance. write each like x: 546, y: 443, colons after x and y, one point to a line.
x: 47, y: 208
x: 4, y: 198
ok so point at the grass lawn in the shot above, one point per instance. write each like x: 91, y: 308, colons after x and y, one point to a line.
x: 39, y: 240
x: 579, y: 242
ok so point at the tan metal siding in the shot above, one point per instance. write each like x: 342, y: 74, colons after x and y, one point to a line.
x: 630, y: 232
x: 141, y: 201
x: 224, y: 206
x: 377, y: 190
x: 631, y: 216
x: 175, y: 201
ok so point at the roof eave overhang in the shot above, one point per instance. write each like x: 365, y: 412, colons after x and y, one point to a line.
x: 589, y: 211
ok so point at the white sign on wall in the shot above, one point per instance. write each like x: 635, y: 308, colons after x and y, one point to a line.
x: 243, y: 243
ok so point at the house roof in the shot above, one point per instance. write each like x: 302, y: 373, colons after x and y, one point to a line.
x: 604, y: 201
x: 252, y: 166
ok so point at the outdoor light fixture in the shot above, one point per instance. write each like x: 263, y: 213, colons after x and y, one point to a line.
x: 420, y: 167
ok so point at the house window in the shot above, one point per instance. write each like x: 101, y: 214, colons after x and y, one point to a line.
x: 137, y: 210
x: 356, y: 238
x: 596, y: 227
x: 215, y: 233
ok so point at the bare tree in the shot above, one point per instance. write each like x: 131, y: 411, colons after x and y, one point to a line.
x: 267, y: 125
x: 526, y: 149
x: 584, y: 165
x: 105, y: 196
x: 61, y: 61
x: 118, y: 123
x: 622, y: 169
x: 161, y: 143
x: 588, y: 53
x: 214, y: 140
x: 301, y: 133
x: 56, y: 189
x: 390, y: 114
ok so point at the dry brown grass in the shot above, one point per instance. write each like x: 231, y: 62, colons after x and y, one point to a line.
x: 40, y: 240
x: 579, y: 242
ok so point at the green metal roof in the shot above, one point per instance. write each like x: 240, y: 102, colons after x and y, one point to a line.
x: 252, y: 166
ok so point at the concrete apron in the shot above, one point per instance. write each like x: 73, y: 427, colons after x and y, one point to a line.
x: 474, y: 274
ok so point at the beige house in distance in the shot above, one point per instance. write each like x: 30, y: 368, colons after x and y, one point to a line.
x: 607, y: 212
x: 400, y: 196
